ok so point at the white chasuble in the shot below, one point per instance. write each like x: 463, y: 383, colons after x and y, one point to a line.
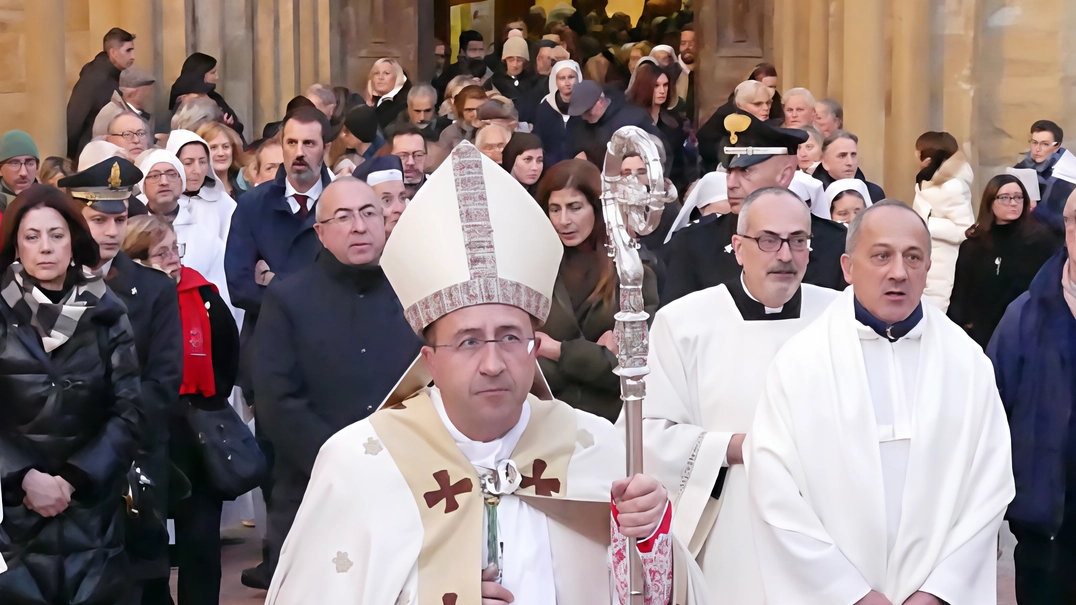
x: 874, y: 480
x: 394, y: 513
x: 707, y: 369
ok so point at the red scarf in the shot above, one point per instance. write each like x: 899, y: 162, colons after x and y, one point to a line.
x: 197, y: 339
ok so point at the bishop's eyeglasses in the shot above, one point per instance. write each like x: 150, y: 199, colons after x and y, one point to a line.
x: 508, y: 345
x: 771, y: 242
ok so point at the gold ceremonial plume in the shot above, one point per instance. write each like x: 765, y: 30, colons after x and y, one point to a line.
x: 114, y: 180
x: 736, y: 123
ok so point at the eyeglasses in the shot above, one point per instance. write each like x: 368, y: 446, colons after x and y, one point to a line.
x: 1010, y: 199
x: 769, y: 242
x: 508, y: 345
x: 344, y: 218
x: 1043, y: 144
x: 154, y: 177
x: 30, y: 164
x: 130, y: 136
x: 177, y: 250
x: 416, y: 157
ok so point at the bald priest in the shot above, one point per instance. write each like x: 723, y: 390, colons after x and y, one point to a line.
x: 471, y: 491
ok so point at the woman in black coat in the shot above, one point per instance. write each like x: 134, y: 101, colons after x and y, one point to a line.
x: 1005, y: 248
x: 650, y: 89
x: 387, y: 91
x: 69, y: 390
x: 210, y: 364
x: 199, y: 76
x: 576, y: 351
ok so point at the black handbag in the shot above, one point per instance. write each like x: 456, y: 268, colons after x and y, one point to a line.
x: 230, y: 456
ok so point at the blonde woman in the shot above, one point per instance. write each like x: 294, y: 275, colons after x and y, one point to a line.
x: 387, y: 90
x: 225, y: 154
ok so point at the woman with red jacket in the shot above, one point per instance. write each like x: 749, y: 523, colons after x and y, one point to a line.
x: 210, y: 364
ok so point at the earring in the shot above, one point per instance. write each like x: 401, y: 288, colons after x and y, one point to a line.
x: 72, y: 262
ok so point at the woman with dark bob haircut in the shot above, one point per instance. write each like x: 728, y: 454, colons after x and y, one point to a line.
x: 576, y: 350
x: 1005, y: 248
x: 69, y: 391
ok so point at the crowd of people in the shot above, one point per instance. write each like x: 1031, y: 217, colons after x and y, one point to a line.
x: 173, y: 269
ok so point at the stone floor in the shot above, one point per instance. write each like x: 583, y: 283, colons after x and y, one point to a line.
x: 248, y: 553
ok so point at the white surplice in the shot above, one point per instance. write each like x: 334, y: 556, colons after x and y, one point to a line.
x: 361, y: 537
x: 707, y: 369
x: 893, y: 479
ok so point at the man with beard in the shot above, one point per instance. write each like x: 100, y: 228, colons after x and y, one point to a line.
x: 695, y: 418
x: 685, y: 86
x: 153, y: 308
x: 273, y: 234
x: 701, y: 255
x: 407, y: 143
x: 330, y: 344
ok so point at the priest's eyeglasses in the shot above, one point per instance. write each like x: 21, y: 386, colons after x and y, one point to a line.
x: 346, y: 217
x: 770, y: 242
x: 509, y: 344
x: 130, y: 135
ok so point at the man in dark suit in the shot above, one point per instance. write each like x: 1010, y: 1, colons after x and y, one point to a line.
x: 330, y: 345
x: 93, y: 90
x: 153, y: 309
x: 757, y: 156
x: 272, y: 235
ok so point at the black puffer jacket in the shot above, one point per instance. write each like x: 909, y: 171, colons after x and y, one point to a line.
x: 81, y: 428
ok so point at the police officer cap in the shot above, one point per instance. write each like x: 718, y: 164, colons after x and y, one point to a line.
x: 105, y: 186
x: 751, y: 141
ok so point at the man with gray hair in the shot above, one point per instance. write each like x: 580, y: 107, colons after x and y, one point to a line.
x: 422, y: 112
x: 195, y: 111
x: 829, y: 117
x: 136, y: 86
x: 709, y: 352
x: 799, y: 108
x: 879, y: 465
x: 323, y: 98
x: 756, y: 156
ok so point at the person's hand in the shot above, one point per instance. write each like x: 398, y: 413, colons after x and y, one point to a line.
x: 65, y: 487
x: 640, y: 503
x: 923, y: 598
x: 262, y: 274
x: 492, y: 592
x: 609, y: 342
x: 547, y: 346
x: 228, y: 119
x: 44, y: 494
x: 346, y: 170
x: 734, y: 452
x: 874, y: 598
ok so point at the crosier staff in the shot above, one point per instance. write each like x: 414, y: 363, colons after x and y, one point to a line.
x: 632, y: 208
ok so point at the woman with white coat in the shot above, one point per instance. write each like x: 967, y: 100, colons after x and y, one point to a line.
x: 551, y: 120
x: 204, y: 197
x: 943, y: 199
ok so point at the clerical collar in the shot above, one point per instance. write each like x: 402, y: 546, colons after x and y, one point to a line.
x: 752, y: 310
x: 890, y: 332
x: 487, y: 454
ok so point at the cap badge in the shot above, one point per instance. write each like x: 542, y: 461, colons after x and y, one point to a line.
x: 114, y: 180
x: 736, y: 123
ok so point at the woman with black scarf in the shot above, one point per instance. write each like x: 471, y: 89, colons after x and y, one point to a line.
x: 199, y: 76
x: 69, y: 386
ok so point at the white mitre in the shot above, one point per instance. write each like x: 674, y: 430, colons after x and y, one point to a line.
x: 471, y: 236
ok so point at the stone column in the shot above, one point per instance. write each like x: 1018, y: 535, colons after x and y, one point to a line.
x: 46, y: 86
x: 816, y: 22
x: 308, y: 48
x: 865, y: 82
x: 909, y: 88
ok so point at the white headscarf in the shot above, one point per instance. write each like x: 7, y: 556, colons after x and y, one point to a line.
x: 160, y: 156
x: 96, y: 152
x: 551, y: 98
x: 711, y: 188
x: 811, y: 191
x: 840, y: 186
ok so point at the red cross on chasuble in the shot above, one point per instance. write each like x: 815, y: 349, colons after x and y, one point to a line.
x: 444, y: 486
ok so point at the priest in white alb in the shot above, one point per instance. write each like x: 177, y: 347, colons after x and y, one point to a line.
x: 471, y: 491
x: 879, y: 465
x: 709, y: 352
